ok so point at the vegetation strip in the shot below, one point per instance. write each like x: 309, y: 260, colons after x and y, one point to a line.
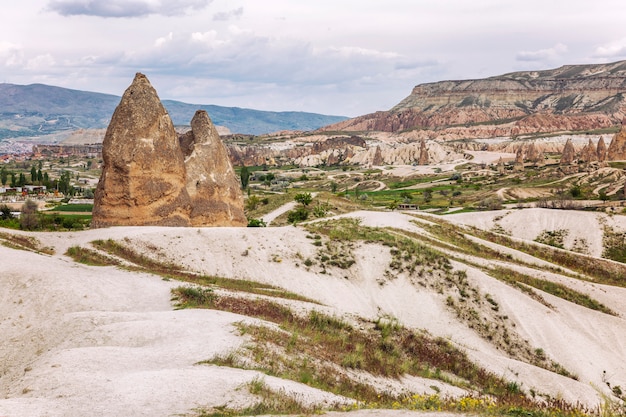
x: 510, y: 276
x: 172, y: 271
x: 323, y: 352
x: 24, y: 243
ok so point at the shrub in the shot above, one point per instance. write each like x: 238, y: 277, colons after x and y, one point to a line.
x: 29, y: 219
x: 5, y: 212
x: 304, y: 198
x: 256, y: 223
x: 297, y: 215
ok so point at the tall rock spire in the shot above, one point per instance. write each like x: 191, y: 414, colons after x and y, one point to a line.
x: 143, y: 175
x: 215, y: 191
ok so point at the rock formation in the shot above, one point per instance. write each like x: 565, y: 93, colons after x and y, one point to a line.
x: 569, y: 154
x: 143, y: 174
x: 589, y: 153
x: 214, y: 189
x: 519, y: 159
x: 377, y: 159
x: 601, y: 150
x: 533, y: 154
x: 423, y: 160
x: 617, y: 148
x: 569, y: 98
x: 144, y: 179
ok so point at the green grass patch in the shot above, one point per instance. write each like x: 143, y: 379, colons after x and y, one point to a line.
x: 89, y: 256
x: 76, y: 208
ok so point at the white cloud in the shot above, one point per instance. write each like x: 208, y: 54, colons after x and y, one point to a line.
x: 125, y: 8
x: 40, y: 62
x: 542, y: 54
x: 163, y: 40
x: 230, y: 15
x: 12, y: 54
x: 615, y: 49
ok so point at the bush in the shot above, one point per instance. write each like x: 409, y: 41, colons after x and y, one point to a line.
x: 256, y: 223
x: 29, y: 219
x: 297, y: 215
x: 5, y: 212
x: 304, y: 198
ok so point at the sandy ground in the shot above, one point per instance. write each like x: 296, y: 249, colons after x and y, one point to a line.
x: 80, y: 340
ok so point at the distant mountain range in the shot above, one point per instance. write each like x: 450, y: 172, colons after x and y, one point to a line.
x: 39, y: 109
x: 566, y: 99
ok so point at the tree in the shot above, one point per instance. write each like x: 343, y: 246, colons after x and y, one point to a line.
x: 428, y: 195
x: 303, y: 198
x: 4, y: 174
x: 252, y: 202
x: 245, y: 177
x: 29, y: 218
x: 33, y: 174
x: 5, y: 212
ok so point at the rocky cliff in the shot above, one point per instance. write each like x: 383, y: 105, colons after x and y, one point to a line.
x: 145, y: 179
x: 570, y: 98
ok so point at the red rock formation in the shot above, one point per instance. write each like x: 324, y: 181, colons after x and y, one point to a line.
x: 570, y: 98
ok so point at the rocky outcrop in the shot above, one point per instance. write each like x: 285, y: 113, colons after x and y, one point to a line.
x: 617, y: 148
x: 589, y: 153
x: 570, y: 98
x: 212, y: 185
x: 145, y: 180
x: 423, y: 160
x: 601, y: 150
x: 534, y: 155
x: 377, y: 159
x: 569, y: 154
x: 143, y: 173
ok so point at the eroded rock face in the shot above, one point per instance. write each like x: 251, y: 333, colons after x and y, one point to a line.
x: 617, y: 148
x: 569, y: 154
x: 601, y: 150
x: 212, y: 185
x: 589, y: 153
x: 423, y: 153
x: 143, y: 175
x: 150, y: 178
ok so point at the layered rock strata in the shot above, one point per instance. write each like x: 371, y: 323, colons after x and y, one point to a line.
x: 569, y: 98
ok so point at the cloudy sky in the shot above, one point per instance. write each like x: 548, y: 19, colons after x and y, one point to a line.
x: 343, y: 57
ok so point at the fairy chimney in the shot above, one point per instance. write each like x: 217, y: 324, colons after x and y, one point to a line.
x: 214, y: 189
x: 143, y: 174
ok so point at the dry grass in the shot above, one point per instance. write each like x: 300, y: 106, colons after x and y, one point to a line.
x: 24, y: 243
x: 326, y: 352
x: 173, y: 271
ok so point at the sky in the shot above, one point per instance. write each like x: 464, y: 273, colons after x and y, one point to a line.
x: 339, y: 57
